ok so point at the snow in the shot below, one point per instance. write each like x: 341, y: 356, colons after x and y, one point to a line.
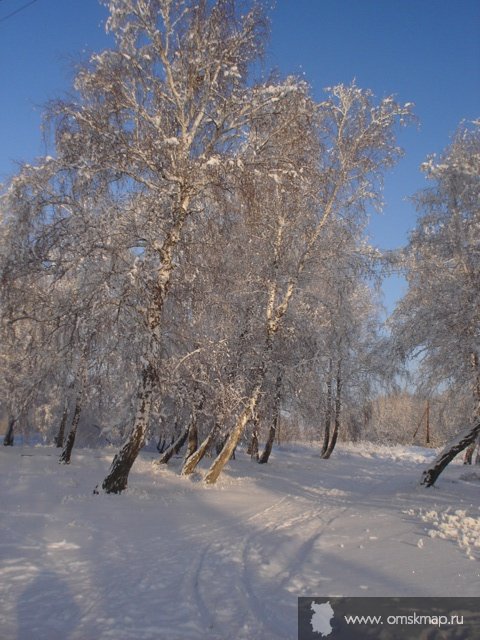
x: 459, y: 526
x: 174, y: 559
x: 233, y: 72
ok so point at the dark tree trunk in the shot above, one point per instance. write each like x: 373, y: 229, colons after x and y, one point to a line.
x: 456, y: 446
x: 263, y: 459
x: 59, y: 438
x: 328, y: 412
x: 192, y: 440
x: 275, y: 421
x: 468, y: 458
x: 117, y: 479
x: 241, y: 345
x: 67, y: 451
x: 68, y: 448
x: 469, y: 453
x: 174, y: 448
x: 338, y: 409
x: 161, y: 444
x: 192, y: 444
x: 253, y: 446
x: 219, y: 445
x: 9, y: 437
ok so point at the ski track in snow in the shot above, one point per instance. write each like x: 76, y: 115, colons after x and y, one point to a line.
x: 174, y: 560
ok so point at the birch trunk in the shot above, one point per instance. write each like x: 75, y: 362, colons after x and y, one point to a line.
x: 192, y: 439
x: 276, y: 308
x: 67, y: 450
x: 456, y: 446
x: 161, y: 444
x: 328, y: 413
x: 338, y: 409
x: 274, y: 424
x: 192, y: 444
x: 234, y: 436
x: 468, y: 459
x: 59, y: 438
x: 66, y: 455
x: 117, y: 478
x: 193, y: 460
x: 8, y: 437
x: 263, y: 459
x: 469, y: 453
x: 174, y: 448
x: 253, y: 446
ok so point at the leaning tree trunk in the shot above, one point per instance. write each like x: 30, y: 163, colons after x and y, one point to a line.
x: 456, y: 446
x: 117, y: 478
x: 193, y: 460
x: 275, y: 312
x: 275, y: 422
x: 233, y: 438
x: 8, y: 437
x: 59, y: 438
x: 249, y: 411
x: 338, y: 409
x: 174, y: 448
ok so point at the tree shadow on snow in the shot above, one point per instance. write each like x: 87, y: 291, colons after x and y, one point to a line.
x: 46, y: 609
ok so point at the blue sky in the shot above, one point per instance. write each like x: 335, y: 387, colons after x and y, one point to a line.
x: 423, y: 51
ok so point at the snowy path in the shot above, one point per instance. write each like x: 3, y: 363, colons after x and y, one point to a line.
x: 174, y: 560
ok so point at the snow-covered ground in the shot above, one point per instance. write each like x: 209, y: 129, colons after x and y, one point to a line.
x: 172, y: 559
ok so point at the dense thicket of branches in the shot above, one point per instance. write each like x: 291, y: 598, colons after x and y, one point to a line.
x: 190, y: 264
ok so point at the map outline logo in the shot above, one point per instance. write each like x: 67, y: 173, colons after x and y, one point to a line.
x: 321, y: 618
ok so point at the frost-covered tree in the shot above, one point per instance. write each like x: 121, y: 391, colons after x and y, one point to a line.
x: 156, y: 123
x: 355, y: 142
x: 64, y: 286
x: 439, y: 317
x: 159, y: 251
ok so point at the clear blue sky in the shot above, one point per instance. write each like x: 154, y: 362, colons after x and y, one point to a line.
x: 423, y: 51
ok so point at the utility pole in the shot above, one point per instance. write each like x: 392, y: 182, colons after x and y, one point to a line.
x: 426, y: 415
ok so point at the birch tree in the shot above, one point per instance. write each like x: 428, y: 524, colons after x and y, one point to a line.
x: 356, y: 143
x: 178, y: 84
x: 438, y: 319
